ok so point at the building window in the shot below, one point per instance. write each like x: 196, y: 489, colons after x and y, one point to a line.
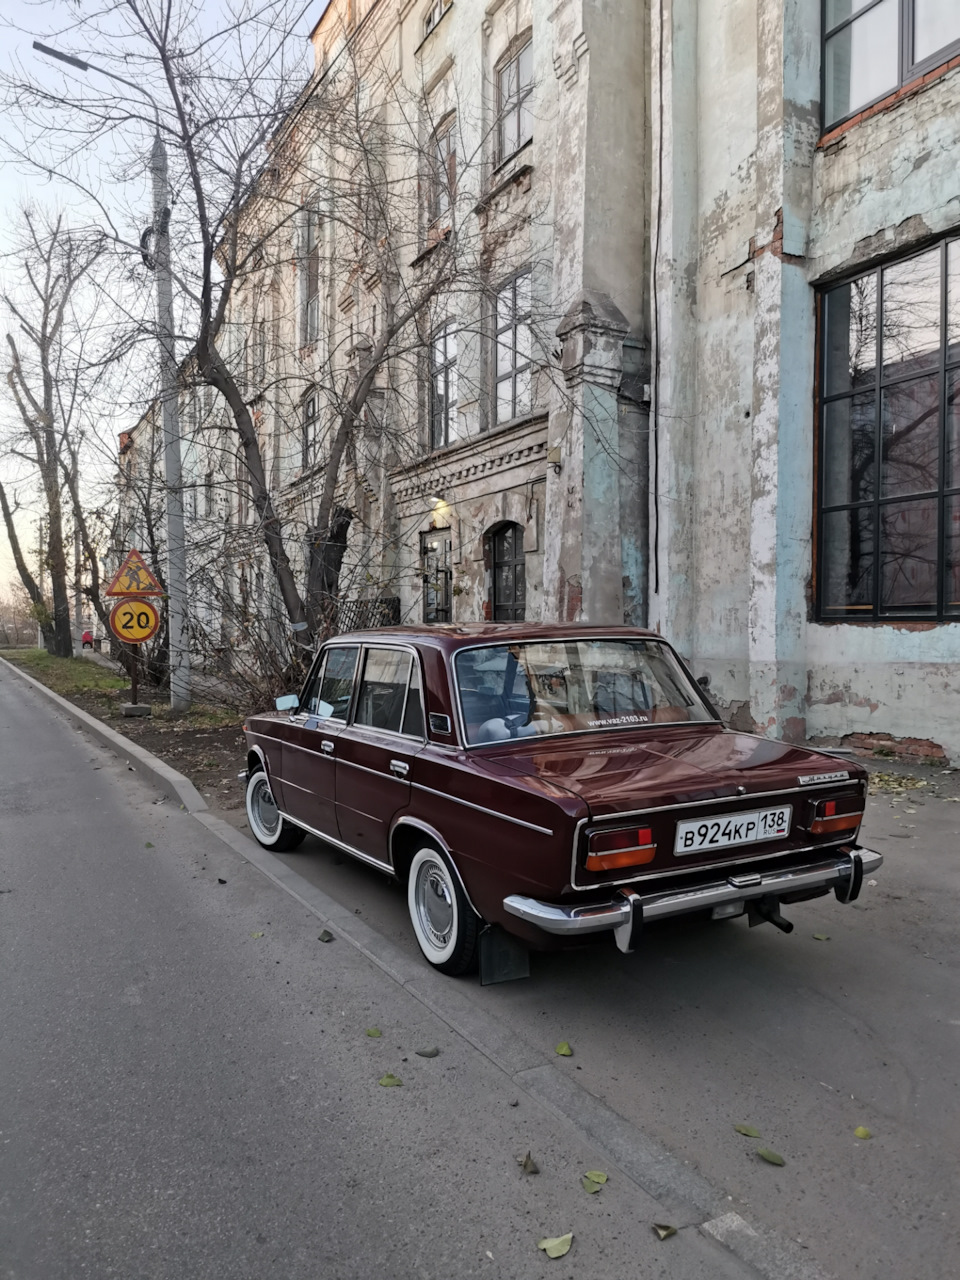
x: 871, y: 47
x: 514, y: 89
x: 311, y: 303
x: 509, y: 575
x: 889, y: 455
x: 308, y: 427
x: 435, y: 552
x: 433, y: 15
x: 259, y: 357
x: 443, y: 175
x: 513, y: 364
x: 443, y: 387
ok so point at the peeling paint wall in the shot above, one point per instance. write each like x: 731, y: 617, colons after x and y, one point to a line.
x: 750, y: 214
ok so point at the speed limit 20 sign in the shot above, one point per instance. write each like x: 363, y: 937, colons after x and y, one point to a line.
x: 134, y: 620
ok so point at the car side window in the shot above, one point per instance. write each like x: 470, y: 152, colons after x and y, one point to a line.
x: 336, y: 683
x: 311, y: 692
x: 383, y: 688
x: 413, y: 715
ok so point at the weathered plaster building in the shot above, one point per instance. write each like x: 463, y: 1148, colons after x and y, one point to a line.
x: 806, y: 337
x: 699, y: 365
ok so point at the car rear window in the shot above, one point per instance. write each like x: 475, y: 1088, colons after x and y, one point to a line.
x: 542, y: 688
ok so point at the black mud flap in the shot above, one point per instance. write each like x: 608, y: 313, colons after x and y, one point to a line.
x: 848, y: 889
x: 503, y: 958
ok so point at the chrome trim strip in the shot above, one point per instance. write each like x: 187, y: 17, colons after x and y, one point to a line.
x: 531, y: 826
x: 377, y: 773
x: 347, y: 848
x: 597, y: 917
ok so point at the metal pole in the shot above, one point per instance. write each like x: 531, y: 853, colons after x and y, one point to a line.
x: 134, y: 673
x: 178, y: 628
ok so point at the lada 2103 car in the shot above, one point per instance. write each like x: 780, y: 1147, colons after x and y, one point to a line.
x: 555, y: 781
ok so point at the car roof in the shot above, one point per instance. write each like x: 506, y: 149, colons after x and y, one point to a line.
x: 449, y: 637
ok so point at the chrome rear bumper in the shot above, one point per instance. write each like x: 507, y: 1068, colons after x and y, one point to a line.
x: 843, y: 872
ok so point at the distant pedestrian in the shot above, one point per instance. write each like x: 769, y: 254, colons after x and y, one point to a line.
x: 86, y: 640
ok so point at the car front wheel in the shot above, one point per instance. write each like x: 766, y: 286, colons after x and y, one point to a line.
x: 446, y: 926
x: 268, y: 827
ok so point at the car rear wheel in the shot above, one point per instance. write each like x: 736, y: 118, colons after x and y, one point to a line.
x: 446, y: 926
x: 268, y: 827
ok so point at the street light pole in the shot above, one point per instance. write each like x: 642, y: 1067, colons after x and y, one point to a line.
x: 177, y: 615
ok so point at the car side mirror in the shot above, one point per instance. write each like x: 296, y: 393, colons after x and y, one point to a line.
x: 287, y: 703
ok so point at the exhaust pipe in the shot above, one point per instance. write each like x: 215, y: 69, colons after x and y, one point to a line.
x: 767, y: 911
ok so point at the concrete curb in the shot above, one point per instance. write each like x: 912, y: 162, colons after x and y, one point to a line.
x: 160, y: 774
x: 693, y: 1203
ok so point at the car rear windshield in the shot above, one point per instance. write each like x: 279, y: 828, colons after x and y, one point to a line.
x: 543, y: 688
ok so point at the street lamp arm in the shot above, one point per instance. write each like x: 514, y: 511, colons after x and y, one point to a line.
x: 81, y: 65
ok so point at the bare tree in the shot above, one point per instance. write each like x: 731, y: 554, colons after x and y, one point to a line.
x: 320, y: 236
x: 44, y: 372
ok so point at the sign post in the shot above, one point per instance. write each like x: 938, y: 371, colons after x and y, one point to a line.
x: 134, y: 618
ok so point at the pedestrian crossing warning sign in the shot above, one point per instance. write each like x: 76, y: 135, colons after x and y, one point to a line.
x: 133, y: 578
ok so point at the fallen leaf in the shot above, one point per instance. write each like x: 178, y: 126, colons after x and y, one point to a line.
x: 596, y: 1176
x: 257, y: 935
x: 374, y: 1033
x: 325, y: 936
x: 515, y: 1103
x: 862, y: 1133
x: 556, y: 1246
x: 664, y: 1230
x: 148, y: 845
x: 427, y: 1053
x: 821, y: 937
x: 220, y: 880
x: 564, y: 1050
x: 589, y: 1185
x: 390, y: 1081
x: 528, y: 1164
x: 747, y: 1130
x: 771, y: 1157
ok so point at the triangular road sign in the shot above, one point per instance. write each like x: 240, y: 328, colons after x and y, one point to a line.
x: 133, y: 578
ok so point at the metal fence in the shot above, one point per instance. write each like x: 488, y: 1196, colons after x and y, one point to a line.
x: 362, y: 615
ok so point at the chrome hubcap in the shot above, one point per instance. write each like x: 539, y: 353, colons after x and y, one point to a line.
x: 435, y: 905
x: 265, y: 809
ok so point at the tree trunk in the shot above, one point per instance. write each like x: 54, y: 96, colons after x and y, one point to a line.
x: 26, y: 577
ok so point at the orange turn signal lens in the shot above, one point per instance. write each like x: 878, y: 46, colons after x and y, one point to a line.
x: 608, y: 850
x: 845, y: 822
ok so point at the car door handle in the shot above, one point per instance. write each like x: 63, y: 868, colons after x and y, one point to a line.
x: 400, y: 768
x: 327, y: 746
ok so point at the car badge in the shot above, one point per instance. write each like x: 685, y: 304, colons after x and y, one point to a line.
x: 814, y: 779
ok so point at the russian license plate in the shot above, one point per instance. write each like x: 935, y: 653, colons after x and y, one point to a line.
x: 732, y: 828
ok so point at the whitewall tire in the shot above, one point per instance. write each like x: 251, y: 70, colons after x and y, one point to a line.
x: 446, y: 926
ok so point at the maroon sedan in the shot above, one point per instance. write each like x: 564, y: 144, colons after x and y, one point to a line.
x: 546, y: 783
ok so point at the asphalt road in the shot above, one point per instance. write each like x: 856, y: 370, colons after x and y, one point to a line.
x: 715, y: 1024
x: 187, y: 1089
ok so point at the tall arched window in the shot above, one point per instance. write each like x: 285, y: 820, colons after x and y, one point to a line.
x: 509, y: 574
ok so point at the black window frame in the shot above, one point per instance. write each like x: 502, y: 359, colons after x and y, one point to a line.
x: 908, y: 69
x: 517, y: 320
x: 943, y: 494
x: 435, y: 12
x: 443, y: 409
x: 437, y: 575
x: 309, y: 417
x: 511, y: 101
x: 442, y: 178
x: 513, y: 609
x: 313, y: 241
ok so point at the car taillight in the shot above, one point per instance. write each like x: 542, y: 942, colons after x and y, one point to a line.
x: 826, y: 819
x: 629, y: 847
